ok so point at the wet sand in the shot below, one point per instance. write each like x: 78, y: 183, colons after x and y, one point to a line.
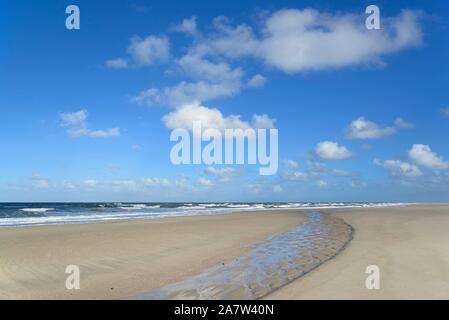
x: 269, y: 265
x: 409, y: 244
x: 124, y: 259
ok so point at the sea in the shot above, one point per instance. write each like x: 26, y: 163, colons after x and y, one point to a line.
x: 33, y: 213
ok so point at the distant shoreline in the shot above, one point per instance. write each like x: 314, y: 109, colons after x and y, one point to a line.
x: 36, y: 214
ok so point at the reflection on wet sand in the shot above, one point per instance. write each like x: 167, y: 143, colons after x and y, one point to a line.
x: 269, y: 265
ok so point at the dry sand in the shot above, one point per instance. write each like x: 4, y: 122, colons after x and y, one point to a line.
x: 123, y: 259
x: 409, y: 244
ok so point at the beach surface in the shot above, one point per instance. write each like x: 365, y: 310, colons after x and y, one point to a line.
x: 409, y: 244
x: 127, y: 258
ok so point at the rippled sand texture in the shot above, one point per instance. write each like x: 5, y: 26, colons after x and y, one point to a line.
x: 269, y: 265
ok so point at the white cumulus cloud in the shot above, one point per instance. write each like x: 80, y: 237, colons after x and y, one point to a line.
x: 328, y: 150
x: 424, y: 156
x: 212, y: 118
x: 399, y: 168
x: 257, y: 81
x: 210, y: 80
x: 187, y: 26
x: 149, y: 50
x: 291, y: 40
x: 365, y: 129
x: 298, y: 40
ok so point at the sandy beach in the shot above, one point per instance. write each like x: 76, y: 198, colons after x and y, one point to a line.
x: 409, y: 244
x: 123, y: 259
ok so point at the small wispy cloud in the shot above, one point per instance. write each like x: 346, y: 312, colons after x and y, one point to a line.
x: 257, y: 81
x: 143, y: 52
x: 90, y: 183
x: 402, y: 124
x: 39, y: 182
x: 205, y: 182
x: 124, y: 184
x: 399, y: 168
x: 119, y: 63
x: 221, y: 172
x: 364, y: 129
x: 156, y: 182
x: 187, y: 26
x: 76, y: 124
x: 136, y: 147
x: 290, y: 164
x: 445, y: 111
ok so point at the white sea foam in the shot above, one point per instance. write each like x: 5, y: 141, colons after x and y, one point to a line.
x: 36, y: 210
x: 138, y: 206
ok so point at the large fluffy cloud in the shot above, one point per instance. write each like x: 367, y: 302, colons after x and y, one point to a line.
x: 184, y: 117
x: 299, y: 40
x: 295, y: 40
x: 291, y: 40
x: 424, y: 156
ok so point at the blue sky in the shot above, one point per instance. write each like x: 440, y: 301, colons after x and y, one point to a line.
x: 362, y: 114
